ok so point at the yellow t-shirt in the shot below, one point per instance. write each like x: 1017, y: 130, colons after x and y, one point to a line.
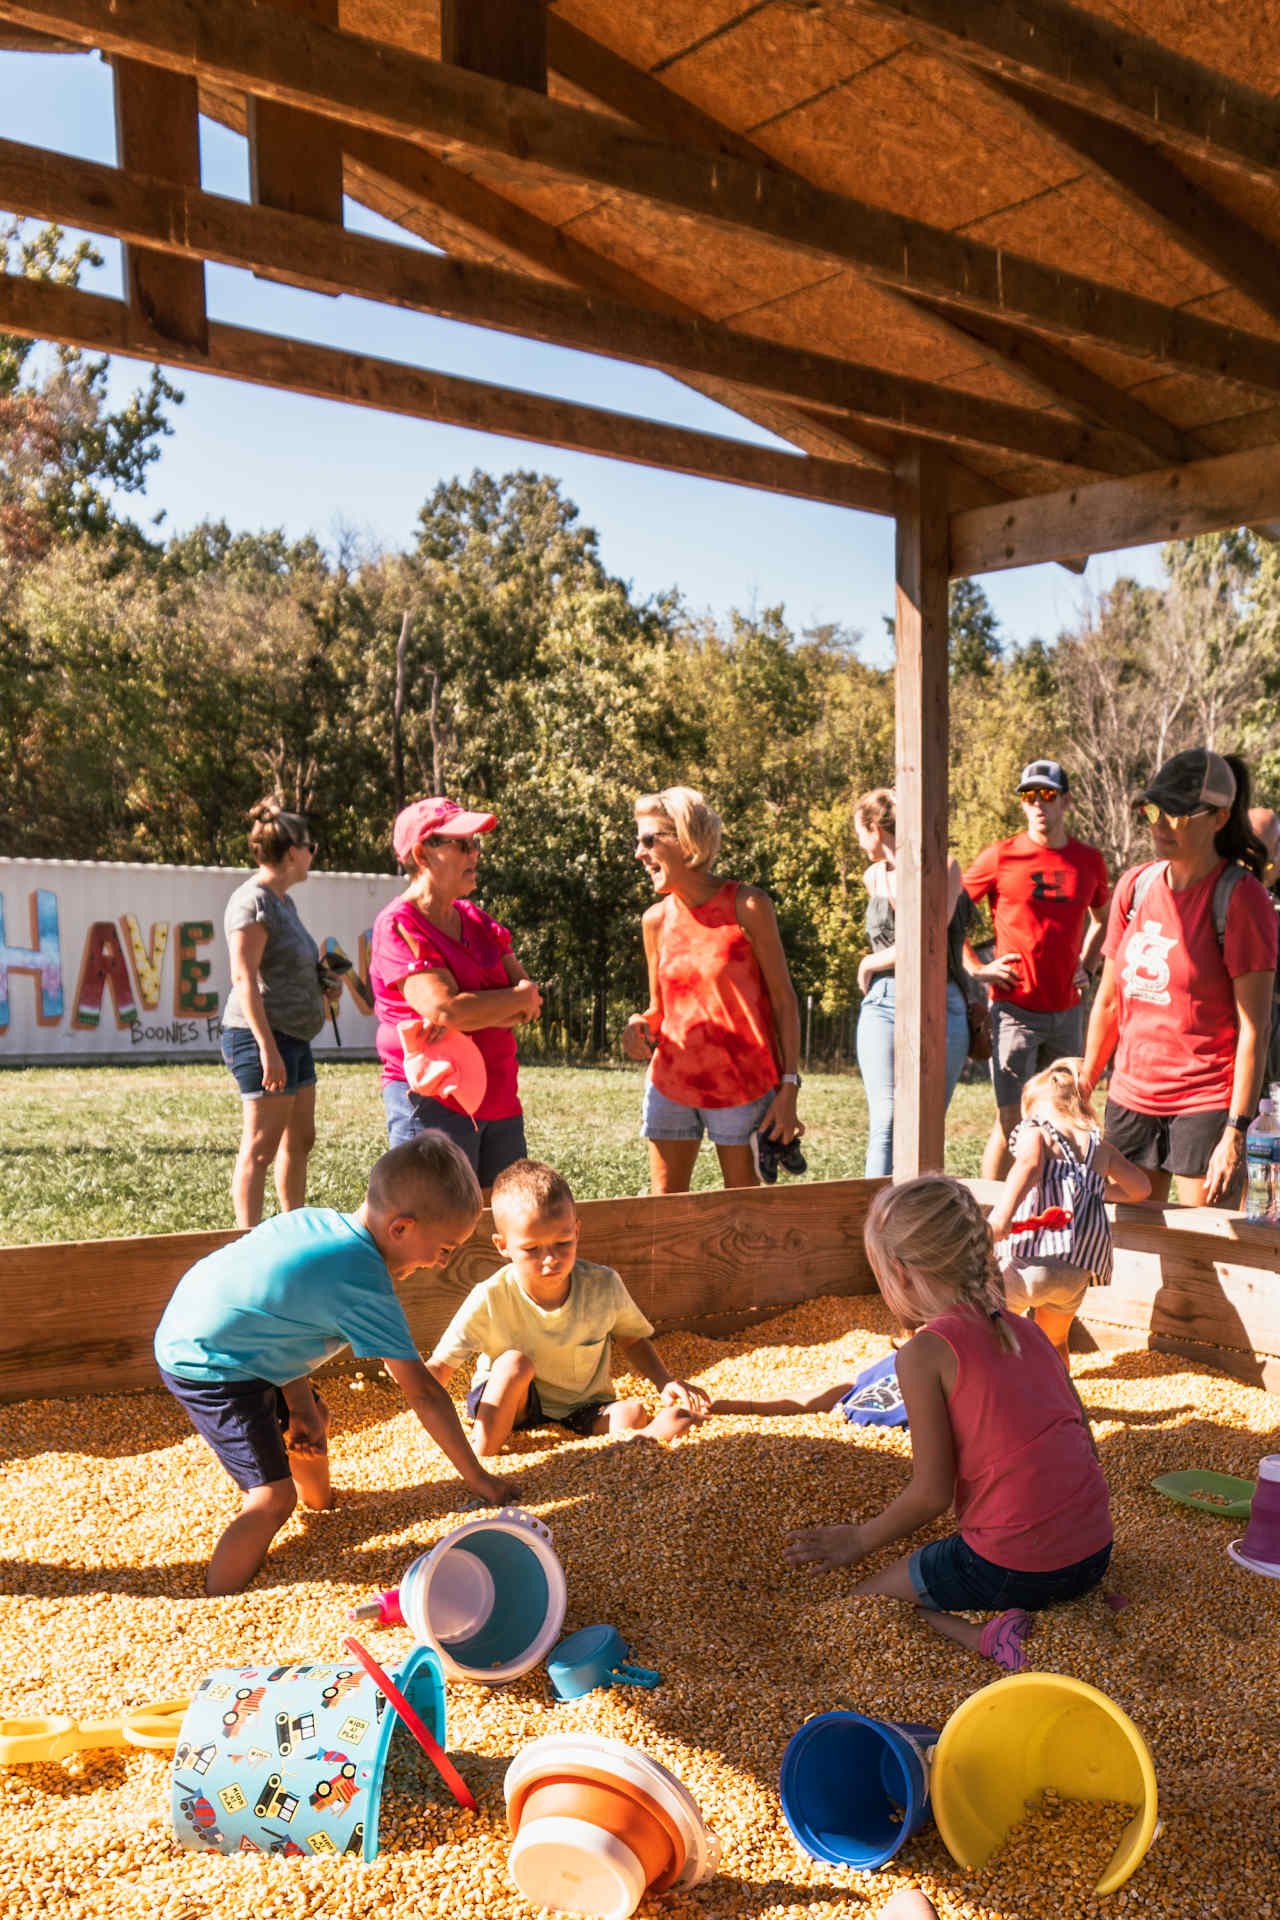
x: 568, y: 1345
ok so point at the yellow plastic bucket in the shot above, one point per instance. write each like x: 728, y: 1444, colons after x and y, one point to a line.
x: 1009, y: 1742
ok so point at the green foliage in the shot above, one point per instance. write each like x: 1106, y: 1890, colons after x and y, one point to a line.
x: 64, y: 457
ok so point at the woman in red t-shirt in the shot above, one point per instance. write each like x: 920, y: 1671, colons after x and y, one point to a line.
x: 439, y: 958
x: 1185, y: 999
x: 721, y: 1032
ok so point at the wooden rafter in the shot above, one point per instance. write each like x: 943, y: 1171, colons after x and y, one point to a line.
x: 243, y: 44
x: 1232, y: 490
x: 42, y: 310
x: 1147, y: 179
x: 311, y: 253
x: 599, y: 71
x: 158, y: 131
x: 1109, y: 70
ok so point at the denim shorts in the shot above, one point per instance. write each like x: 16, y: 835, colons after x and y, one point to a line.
x: 1025, y: 1039
x: 242, y: 1420
x: 240, y: 1051
x: 663, y: 1119
x: 579, y: 1420
x: 490, y: 1145
x: 951, y: 1578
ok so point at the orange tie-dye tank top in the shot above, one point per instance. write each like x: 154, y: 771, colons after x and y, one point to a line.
x: 716, y: 1046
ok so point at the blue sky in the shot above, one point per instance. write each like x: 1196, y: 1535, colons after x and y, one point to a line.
x: 262, y: 458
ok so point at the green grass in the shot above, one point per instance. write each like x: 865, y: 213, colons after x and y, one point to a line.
x: 90, y: 1152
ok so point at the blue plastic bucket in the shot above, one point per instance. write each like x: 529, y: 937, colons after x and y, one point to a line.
x: 489, y: 1598
x: 854, y: 1789
x: 289, y: 1758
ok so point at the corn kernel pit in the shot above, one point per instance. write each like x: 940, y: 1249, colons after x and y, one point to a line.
x: 112, y: 1506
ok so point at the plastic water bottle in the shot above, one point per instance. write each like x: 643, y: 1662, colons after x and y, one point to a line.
x: 1260, y: 1145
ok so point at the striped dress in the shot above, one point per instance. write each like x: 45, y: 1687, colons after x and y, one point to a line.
x: 1070, y: 1181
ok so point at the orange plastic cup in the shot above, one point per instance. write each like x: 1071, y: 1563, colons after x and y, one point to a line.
x: 614, y: 1804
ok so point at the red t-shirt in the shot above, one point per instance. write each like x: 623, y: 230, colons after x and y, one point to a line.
x: 1178, y: 1025
x: 1040, y: 898
x: 403, y: 938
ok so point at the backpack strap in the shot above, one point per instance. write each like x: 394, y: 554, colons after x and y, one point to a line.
x: 1224, y: 887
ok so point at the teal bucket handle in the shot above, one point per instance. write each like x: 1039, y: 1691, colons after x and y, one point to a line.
x: 634, y: 1676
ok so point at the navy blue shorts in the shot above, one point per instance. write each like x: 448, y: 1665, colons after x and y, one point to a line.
x: 490, y: 1145
x: 950, y: 1577
x: 242, y: 1420
x: 240, y: 1051
x: 579, y: 1420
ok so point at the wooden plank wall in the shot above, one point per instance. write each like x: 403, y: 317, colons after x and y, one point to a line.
x: 78, y: 1318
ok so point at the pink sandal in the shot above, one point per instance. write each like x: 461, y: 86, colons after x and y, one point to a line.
x: 1002, y: 1639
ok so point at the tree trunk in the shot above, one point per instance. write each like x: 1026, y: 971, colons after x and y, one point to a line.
x: 397, y: 715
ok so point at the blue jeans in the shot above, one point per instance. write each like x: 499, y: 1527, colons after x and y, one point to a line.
x: 875, y: 1063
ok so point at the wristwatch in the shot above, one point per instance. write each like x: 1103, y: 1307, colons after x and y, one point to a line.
x: 1240, y: 1121
x: 789, y: 1079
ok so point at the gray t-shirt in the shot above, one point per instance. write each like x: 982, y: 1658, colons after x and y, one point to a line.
x: 287, y: 971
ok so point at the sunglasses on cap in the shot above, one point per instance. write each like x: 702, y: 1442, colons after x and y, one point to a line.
x: 1151, y: 812
x: 1042, y: 794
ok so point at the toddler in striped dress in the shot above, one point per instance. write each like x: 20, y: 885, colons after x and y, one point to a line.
x: 1060, y: 1161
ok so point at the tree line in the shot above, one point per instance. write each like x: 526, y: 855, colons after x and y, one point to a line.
x: 152, y: 688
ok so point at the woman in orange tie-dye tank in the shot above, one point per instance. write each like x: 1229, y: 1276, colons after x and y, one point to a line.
x: 721, y: 1032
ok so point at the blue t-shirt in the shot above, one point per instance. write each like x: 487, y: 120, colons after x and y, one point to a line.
x: 282, y: 1301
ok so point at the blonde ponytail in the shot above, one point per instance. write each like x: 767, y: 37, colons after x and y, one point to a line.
x: 932, y: 1233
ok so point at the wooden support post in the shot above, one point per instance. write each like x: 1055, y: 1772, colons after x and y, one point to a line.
x: 295, y: 159
x: 920, y: 969
x: 505, y: 39
x: 158, y: 133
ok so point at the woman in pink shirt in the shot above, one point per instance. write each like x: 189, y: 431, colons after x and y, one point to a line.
x: 997, y: 1431
x: 439, y: 958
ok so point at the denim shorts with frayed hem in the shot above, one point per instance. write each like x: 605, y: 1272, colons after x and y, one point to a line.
x: 951, y: 1578
x: 241, y: 1055
x: 663, y: 1119
x: 490, y: 1145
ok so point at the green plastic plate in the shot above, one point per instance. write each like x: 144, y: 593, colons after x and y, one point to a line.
x: 1218, y: 1493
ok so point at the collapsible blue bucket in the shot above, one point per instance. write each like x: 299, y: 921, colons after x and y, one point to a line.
x: 289, y: 1758
x: 489, y: 1598
x: 854, y: 1789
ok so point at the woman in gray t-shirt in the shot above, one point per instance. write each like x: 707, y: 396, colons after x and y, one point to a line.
x: 274, y: 1011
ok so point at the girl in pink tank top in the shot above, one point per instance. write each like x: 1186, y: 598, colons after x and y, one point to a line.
x: 997, y: 1432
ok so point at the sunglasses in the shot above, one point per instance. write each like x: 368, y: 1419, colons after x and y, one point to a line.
x: 461, y: 843
x: 1042, y: 794
x: 646, y: 840
x: 1150, y: 812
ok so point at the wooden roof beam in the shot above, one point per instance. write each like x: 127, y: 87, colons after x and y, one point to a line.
x: 42, y: 310
x: 295, y: 160
x: 507, y: 39
x: 374, y: 161
x: 1147, y: 180
x: 196, y: 225
x: 158, y: 131
x: 1231, y: 490
x: 1103, y: 68
x: 245, y: 44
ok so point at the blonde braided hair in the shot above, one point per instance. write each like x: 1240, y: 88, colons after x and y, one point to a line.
x: 931, y: 1234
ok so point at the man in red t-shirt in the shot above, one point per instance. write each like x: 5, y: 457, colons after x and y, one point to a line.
x: 1043, y: 887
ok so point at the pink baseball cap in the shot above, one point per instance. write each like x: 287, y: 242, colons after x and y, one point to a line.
x: 424, y: 817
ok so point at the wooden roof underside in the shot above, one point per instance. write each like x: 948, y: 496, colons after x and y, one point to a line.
x: 1046, y: 243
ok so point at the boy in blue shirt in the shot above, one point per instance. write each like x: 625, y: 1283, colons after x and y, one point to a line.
x: 247, y: 1325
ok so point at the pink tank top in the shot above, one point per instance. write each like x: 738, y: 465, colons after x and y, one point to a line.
x: 1030, y: 1495
x: 716, y: 1046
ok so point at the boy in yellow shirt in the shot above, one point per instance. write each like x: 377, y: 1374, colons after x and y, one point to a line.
x: 544, y: 1325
